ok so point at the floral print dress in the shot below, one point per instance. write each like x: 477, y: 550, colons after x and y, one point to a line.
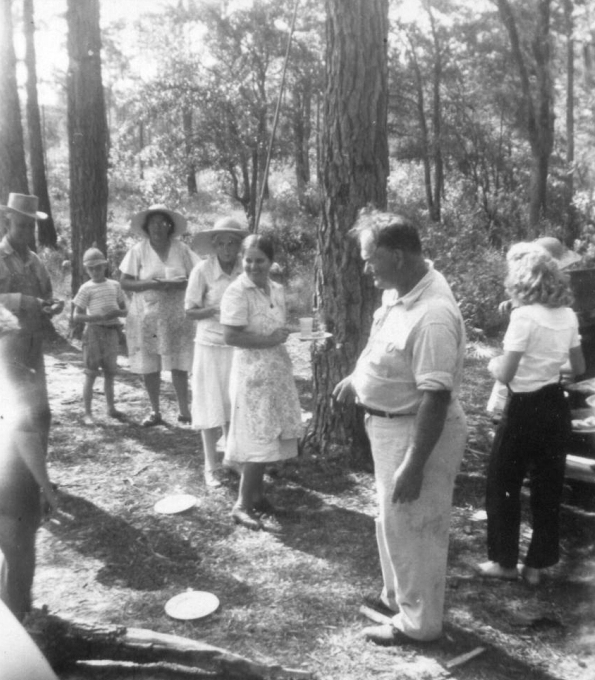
x: 265, y: 410
x: 156, y: 321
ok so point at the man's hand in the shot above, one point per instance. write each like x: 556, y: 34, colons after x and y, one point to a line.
x: 344, y: 392
x: 407, y: 482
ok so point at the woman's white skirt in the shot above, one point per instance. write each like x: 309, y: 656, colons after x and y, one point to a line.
x: 211, y: 406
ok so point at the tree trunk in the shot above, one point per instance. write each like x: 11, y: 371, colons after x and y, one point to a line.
x: 571, y: 231
x: 13, y: 169
x: 63, y: 643
x: 354, y: 174
x: 87, y: 134
x: 46, y: 230
x: 423, y: 128
x: 191, y: 176
x: 437, y: 122
x: 302, y: 110
x: 539, y: 107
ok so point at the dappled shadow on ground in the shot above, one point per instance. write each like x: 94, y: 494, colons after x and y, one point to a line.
x: 140, y: 559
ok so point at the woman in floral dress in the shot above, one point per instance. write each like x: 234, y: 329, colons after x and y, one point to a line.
x: 265, y: 410
x: 158, y: 334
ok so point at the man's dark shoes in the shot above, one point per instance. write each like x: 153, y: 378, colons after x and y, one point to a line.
x: 375, y: 602
x: 152, y: 419
x: 387, y: 635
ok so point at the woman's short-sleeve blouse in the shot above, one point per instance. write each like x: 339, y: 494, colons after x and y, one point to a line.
x: 244, y: 304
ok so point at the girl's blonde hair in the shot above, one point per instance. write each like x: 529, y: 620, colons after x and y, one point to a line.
x: 534, y: 277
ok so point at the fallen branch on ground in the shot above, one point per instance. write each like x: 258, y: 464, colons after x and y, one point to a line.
x: 64, y: 643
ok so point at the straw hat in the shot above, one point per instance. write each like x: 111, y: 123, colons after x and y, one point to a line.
x: 203, y: 241
x: 137, y: 221
x: 22, y: 204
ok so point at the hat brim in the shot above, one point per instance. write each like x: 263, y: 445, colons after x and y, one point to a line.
x: 137, y: 221
x: 37, y: 215
x: 569, y: 258
x: 202, y: 242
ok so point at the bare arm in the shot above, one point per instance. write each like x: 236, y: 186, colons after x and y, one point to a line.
x: 504, y: 368
x: 577, y: 360
x: 429, y: 423
x: 238, y: 336
x: 31, y: 451
x: 199, y: 313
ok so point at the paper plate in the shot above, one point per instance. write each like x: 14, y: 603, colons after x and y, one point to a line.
x: 193, y: 604
x: 177, y: 503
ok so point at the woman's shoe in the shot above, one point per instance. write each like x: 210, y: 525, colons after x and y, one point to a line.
x: 185, y: 420
x: 531, y: 576
x: 118, y: 415
x: 152, y: 419
x: 214, y: 478
x: 245, y: 518
x: 491, y: 569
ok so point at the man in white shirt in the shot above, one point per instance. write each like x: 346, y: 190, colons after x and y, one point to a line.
x: 407, y: 380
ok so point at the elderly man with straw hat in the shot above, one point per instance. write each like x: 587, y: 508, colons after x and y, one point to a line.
x: 26, y: 292
x: 25, y: 286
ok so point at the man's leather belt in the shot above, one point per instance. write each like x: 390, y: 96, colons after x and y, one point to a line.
x: 384, y: 414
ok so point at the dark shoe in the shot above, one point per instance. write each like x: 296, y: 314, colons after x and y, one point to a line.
x: 387, y: 635
x: 246, y: 518
x: 265, y: 507
x: 375, y: 602
x: 185, y: 420
x: 152, y: 419
x: 118, y: 415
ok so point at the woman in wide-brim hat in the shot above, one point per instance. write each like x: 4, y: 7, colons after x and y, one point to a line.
x: 158, y: 334
x: 212, y: 357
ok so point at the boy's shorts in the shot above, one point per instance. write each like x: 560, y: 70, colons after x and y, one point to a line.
x: 100, y: 349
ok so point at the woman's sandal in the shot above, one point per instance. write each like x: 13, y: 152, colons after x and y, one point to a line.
x: 152, y: 419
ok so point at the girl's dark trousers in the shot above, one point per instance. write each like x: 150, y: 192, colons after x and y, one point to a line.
x: 530, y: 440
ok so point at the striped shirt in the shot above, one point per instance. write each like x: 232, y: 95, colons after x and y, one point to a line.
x: 100, y: 298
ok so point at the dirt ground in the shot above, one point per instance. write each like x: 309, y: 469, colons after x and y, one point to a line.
x: 289, y: 595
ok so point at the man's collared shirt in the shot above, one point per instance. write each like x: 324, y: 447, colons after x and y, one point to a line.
x: 20, y: 277
x: 417, y: 344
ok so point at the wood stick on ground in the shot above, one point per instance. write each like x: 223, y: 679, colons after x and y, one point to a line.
x: 463, y: 658
x: 64, y: 642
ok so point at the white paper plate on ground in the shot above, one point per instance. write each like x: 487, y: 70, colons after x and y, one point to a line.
x: 170, y: 505
x: 193, y: 604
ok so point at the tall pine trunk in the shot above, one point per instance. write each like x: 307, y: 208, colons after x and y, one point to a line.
x: 46, y: 231
x: 87, y: 134
x: 13, y: 169
x: 354, y: 174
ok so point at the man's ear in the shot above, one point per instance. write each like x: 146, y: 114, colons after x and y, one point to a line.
x: 399, y: 257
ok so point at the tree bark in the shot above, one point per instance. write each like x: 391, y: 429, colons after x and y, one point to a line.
x: 63, y: 643
x: 191, y: 175
x: 13, y: 169
x: 87, y: 134
x: 572, y: 230
x: 46, y: 230
x: 354, y: 173
x: 539, y: 107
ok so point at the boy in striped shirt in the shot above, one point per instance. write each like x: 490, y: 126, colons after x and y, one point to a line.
x: 99, y: 303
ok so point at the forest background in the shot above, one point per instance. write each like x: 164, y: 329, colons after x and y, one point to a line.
x: 479, y: 125
x: 474, y: 118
